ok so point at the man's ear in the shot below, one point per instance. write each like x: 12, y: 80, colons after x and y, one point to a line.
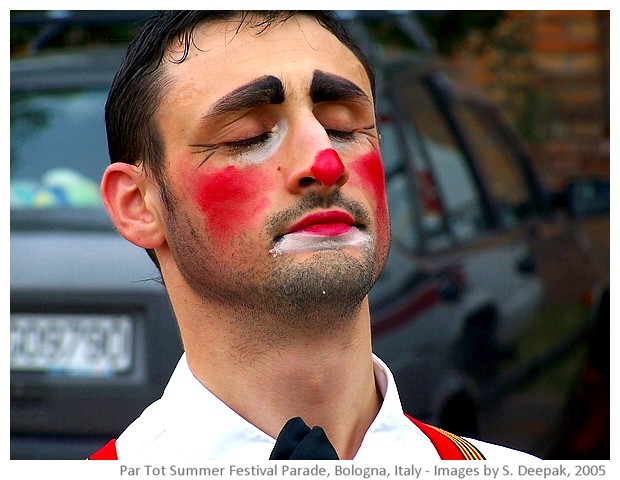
x: 127, y: 195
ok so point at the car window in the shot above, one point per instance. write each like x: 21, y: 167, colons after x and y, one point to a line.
x: 401, y: 270
x: 451, y: 204
x: 58, y: 149
x: 505, y: 181
x: 398, y: 187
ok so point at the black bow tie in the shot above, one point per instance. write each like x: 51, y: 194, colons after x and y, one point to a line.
x: 297, y: 441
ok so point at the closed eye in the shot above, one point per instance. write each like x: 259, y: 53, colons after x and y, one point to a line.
x: 247, y: 144
x: 340, y: 135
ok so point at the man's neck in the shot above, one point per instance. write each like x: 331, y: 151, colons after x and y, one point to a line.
x: 326, y: 379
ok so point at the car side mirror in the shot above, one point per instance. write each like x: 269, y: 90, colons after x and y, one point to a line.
x: 587, y: 198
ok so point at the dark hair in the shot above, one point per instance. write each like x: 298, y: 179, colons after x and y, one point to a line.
x: 139, y: 83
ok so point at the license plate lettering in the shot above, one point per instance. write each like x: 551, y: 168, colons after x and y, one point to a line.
x: 94, y: 345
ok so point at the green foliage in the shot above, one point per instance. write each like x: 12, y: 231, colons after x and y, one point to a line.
x: 451, y: 27
x: 35, y: 29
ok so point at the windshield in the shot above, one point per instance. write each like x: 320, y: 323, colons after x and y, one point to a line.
x: 58, y: 149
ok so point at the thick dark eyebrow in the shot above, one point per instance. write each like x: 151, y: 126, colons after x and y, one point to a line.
x: 327, y: 87
x: 262, y: 91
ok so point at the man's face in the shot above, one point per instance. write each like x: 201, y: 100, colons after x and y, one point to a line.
x: 273, y: 163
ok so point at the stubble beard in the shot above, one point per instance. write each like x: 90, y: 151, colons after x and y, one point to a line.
x: 324, y: 293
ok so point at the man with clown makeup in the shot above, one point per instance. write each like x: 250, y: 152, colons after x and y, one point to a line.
x: 246, y: 161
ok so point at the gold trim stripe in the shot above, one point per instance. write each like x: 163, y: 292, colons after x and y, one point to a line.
x: 469, y: 451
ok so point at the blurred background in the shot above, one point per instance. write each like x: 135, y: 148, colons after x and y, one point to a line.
x: 493, y: 312
x: 548, y: 71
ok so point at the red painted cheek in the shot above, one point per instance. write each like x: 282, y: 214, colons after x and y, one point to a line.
x: 369, y: 172
x: 327, y: 167
x: 231, y: 200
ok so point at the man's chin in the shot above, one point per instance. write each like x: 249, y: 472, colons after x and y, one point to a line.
x: 332, y: 282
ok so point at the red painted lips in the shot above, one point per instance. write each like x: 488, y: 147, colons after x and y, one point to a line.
x: 324, y: 223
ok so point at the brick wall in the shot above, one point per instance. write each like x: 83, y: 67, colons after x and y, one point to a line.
x: 550, y: 72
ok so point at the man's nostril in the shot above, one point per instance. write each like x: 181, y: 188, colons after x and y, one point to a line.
x: 306, y: 181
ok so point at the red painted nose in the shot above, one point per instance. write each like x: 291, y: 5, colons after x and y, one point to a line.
x: 327, y: 167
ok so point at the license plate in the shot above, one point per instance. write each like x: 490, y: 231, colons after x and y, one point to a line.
x: 91, y: 345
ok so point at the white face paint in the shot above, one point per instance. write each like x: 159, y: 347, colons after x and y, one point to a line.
x: 303, y: 242
x: 264, y: 150
x: 342, y: 146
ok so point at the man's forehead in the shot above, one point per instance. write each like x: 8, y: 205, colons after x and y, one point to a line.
x: 299, y: 52
x: 221, y: 33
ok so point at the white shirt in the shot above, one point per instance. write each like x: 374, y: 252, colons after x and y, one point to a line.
x: 190, y: 423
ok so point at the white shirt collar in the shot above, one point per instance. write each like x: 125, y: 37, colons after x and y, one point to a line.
x: 191, y: 423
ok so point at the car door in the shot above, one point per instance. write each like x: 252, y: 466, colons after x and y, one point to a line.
x: 424, y: 298
x: 473, y: 210
x: 552, y: 346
